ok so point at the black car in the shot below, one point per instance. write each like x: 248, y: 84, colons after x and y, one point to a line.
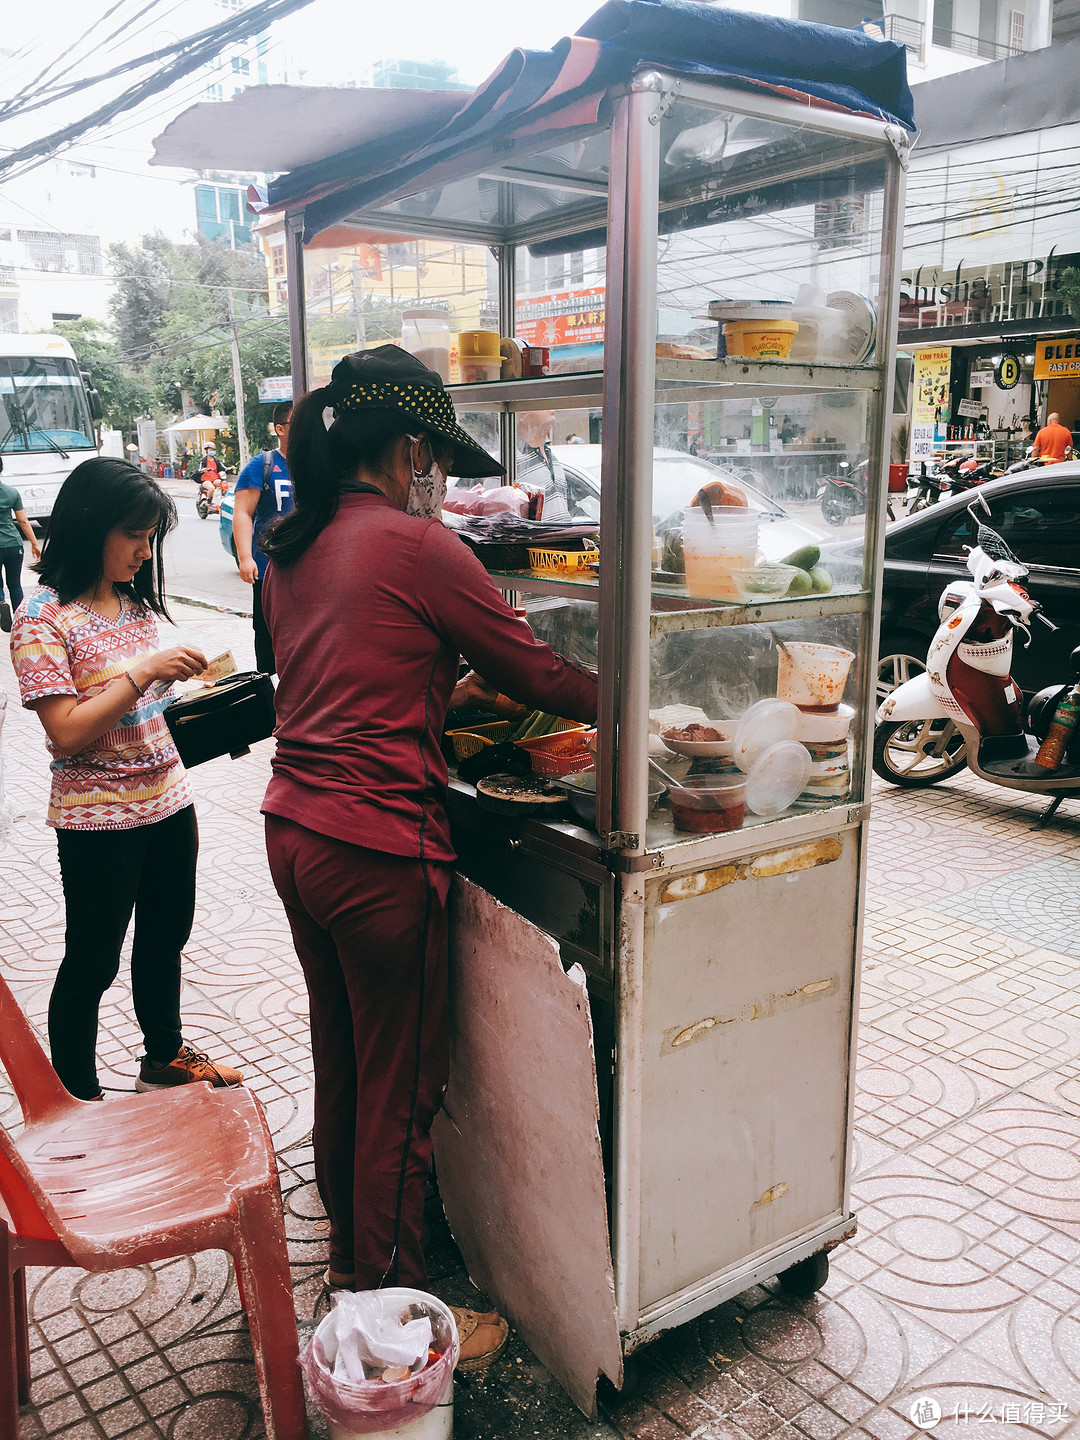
x: 1038, y: 514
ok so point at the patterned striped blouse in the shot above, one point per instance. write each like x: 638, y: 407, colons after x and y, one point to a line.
x: 132, y: 774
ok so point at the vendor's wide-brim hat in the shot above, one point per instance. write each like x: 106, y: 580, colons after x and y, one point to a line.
x: 389, y: 378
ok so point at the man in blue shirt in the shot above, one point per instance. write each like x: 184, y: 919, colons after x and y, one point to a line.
x: 263, y: 492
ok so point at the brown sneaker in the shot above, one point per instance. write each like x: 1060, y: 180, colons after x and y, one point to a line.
x: 189, y: 1065
x: 482, y: 1338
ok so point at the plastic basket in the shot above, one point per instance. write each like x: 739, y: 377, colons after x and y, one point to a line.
x: 561, y: 753
x: 566, y: 562
x: 468, y: 742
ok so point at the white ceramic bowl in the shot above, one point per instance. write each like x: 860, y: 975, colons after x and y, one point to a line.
x: 723, y: 746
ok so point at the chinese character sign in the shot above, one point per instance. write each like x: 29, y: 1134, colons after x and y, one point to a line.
x: 570, y: 317
x: 930, y: 398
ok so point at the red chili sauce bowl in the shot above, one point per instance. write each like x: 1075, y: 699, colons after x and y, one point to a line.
x: 709, y: 803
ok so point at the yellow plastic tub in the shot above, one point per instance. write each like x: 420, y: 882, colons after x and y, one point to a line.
x: 562, y: 562
x: 760, y: 339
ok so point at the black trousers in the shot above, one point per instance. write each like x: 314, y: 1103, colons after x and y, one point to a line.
x: 106, y: 874
x: 264, y: 646
x: 11, y: 575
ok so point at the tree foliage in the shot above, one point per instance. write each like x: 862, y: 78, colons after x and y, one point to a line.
x: 1068, y: 288
x: 170, y: 309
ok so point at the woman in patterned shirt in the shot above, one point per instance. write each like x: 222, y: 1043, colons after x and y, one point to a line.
x: 86, y: 651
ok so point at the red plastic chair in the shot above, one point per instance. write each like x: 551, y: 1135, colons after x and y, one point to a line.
x: 105, y: 1186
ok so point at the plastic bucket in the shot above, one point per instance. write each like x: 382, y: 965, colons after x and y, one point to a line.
x: 760, y: 339
x: 419, y: 1408
x: 714, y: 552
x: 426, y: 334
x: 812, y: 674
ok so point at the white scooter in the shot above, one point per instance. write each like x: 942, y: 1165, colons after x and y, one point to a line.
x: 965, y: 707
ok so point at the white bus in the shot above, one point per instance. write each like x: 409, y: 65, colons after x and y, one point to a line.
x: 47, y: 414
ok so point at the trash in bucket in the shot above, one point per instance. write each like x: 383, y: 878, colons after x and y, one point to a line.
x: 382, y: 1363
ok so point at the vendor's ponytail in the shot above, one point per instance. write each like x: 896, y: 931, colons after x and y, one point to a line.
x: 321, y: 462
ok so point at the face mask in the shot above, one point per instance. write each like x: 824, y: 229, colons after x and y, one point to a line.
x: 427, y: 491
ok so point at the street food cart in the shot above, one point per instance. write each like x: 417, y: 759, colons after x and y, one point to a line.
x: 650, y: 1107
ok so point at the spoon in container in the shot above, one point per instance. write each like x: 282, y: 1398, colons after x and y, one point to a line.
x: 668, y: 781
x: 706, y: 506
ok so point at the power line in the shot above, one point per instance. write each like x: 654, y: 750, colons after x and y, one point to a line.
x: 190, y: 54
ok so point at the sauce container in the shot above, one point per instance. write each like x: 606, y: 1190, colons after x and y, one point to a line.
x: 709, y: 803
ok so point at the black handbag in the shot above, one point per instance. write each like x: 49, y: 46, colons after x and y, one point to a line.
x: 227, y: 719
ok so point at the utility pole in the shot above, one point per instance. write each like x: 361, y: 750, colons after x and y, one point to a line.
x: 358, y: 306
x: 238, y: 386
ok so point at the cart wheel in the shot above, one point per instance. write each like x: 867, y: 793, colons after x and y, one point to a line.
x: 807, y: 1276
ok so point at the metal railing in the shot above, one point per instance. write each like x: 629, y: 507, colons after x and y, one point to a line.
x: 973, y: 45
x: 904, y: 30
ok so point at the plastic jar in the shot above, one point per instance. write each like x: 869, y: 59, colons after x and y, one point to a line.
x: 479, y: 356
x: 714, y: 551
x: 426, y: 334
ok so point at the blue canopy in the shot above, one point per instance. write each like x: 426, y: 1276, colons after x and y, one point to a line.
x: 560, y: 88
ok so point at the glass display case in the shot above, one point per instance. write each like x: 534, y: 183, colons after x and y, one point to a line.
x: 712, y: 272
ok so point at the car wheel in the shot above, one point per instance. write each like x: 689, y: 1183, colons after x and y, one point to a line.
x: 915, y: 754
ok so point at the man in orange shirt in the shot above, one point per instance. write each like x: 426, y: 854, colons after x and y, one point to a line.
x: 1052, y: 441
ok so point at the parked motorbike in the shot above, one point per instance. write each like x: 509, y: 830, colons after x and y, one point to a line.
x: 211, y: 493
x: 966, y: 708
x: 926, y: 488
x: 843, y: 496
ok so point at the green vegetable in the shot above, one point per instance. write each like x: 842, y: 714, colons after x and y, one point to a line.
x: 801, y: 583
x: 536, y: 724
x: 805, y: 558
x: 822, y: 580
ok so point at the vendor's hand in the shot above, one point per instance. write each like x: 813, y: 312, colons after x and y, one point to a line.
x: 474, y: 693
x: 249, y: 571
x: 179, y: 662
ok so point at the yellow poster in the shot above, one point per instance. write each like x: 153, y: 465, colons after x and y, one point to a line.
x: 1057, y: 359
x: 930, y: 397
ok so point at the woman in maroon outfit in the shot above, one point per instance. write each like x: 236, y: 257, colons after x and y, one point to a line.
x: 370, y: 605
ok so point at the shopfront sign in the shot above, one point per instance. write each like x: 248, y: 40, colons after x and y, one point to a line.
x: 1058, y: 359
x: 1007, y: 374
x: 569, y: 317
x: 933, y: 296
x: 972, y: 409
x: 930, y: 397
x: 982, y: 377
x: 275, y: 389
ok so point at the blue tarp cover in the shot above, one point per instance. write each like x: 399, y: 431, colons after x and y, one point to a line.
x: 544, y: 90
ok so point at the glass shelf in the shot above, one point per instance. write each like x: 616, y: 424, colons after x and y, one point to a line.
x: 673, y: 609
x: 675, y: 380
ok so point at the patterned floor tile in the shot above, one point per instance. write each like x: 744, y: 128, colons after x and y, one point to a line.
x: 1037, y: 904
x: 963, y: 1282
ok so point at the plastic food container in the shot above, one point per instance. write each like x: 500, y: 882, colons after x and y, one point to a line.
x: 829, y: 780
x: 765, y: 724
x: 426, y: 334
x: 812, y: 675
x: 710, y: 803
x: 828, y: 728
x: 764, y: 582
x: 777, y: 778
x: 760, y: 339
x: 714, y: 550
x: 479, y: 356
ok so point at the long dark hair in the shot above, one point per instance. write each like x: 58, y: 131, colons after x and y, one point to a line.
x: 98, y: 496
x: 322, y: 461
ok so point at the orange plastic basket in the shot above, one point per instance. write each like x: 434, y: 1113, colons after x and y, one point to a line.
x: 561, y: 753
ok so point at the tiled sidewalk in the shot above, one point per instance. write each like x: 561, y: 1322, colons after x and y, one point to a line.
x: 962, y: 1284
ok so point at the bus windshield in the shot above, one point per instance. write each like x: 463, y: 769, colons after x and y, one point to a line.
x: 43, y: 405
